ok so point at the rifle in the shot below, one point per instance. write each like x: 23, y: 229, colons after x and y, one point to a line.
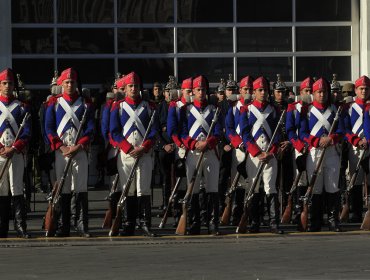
x: 307, y: 196
x: 242, y: 227
x: 8, y: 160
x: 181, y: 227
x: 366, y: 222
x: 50, y: 217
x: 225, y: 218
x: 344, y: 215
x: 117, y: 220
x: 287, y: 215
x: 107, y: 223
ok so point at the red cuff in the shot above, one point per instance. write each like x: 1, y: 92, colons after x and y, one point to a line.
x: 55, y: 142
x: 353, y: 139
x: 176, y: 140
x: 84, y: 141
x: 19, y: 145
x: 298, y: 145
x: 212, y: 142
x: 189, y: 143
x: 148, y: 144
x: 125, y: 146
x: 335, y: 137
x: 313, y: 141
x: 1, y: 146
x: 253, y: 149
x: 274, y: 149
x: 236, y: 140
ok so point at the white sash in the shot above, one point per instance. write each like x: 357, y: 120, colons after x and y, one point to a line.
x: 238, y: 106
x: 298, y: 108
x: 200, y: 120
x: 69, y: 114
x: 6, y: 114
x: 261, y: 120
x: 359, y: 120
x: 322, y: 119
x: 134, y: 118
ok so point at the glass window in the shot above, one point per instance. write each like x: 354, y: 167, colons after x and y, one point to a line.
x: 86, y: 40
x: 34, y: 71
x: 328, y: 38
x: 32, y: 40
x: 149, y: 70
x: 264, y: 39
x: 213, y: 68
x: 328, y: 10
x: 36, y: 11
x: 265, y: 10
x: 266, y: 66
x: 85, y: 11
x: 205, y: 40
x: 205, y: 11
x: 324, y: 67
x: 145, y: 40
x: 144, y: 11
x: 91, y: 71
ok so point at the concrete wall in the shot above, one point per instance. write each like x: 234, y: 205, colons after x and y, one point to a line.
x: 6, y: 33
x: 364, y: 37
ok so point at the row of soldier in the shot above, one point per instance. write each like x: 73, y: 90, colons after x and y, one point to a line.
x: 181, y: 134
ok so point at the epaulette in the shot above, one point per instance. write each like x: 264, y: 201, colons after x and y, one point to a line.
x: 53, y: 99
x: 116, y: 104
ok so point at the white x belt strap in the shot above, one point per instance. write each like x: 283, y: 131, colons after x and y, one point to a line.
x: 357, y: 129
x: 200, y: 120
x: 6, y: 114
x: 70, y: 114
x: 322, y: 120
x: 134, y: 118
x: 261, y: 121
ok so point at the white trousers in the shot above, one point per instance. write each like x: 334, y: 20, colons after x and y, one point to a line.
x: 328, y: 175
x: 210, y: 168
x: 238, y: 157
x: 303, y: 181
x: 353, y: 157
x: 13, y: 176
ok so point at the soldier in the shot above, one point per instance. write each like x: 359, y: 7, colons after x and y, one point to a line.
x: 195, y: 128
x: 316, y: 121
x: 11, y: 185
x: 129, y: 120
x: 257, y: 124
x: 355, y: 135
x: 62, y: 120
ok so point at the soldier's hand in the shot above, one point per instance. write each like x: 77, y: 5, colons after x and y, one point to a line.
x: 64, y: 150
x: 362, y: 144
x: 137, y: 152
x: 284, y: 145
x: 227, y: 148
x: 73, y: 150
x: 7, y: 152
x: 265, y: 157
x: 169, y: 148
x: 325, y: 141
x: 201, y: 146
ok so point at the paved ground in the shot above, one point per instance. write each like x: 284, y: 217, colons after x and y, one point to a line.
x: 264, y: 256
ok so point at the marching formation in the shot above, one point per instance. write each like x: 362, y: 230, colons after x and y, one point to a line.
x: 224, y: 157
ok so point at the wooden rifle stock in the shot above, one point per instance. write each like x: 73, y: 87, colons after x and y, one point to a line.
x: 287, y: 215
x: 304, y: 214
x: 50, y: 223
x: 242, y: 227
x: 366, y: 222
x: 107, y: 223
x: 181, y: 227
x: 225, y: 218
x: 118, y: 219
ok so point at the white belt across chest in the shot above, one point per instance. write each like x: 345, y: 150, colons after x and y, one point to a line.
x: 200, y: 120
x: 322, y: 120
x: 261, y: 120
x: 356, y: 127
x: 6, y: 114
x: 70, y: 114
x: 238, y: 106
x: 134, y: 118
x: 298, y: 108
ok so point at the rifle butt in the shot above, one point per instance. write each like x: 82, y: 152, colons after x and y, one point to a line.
x: 114, y: 230
x: 164, y: 219
x: 344, y: 215
x: 181, y: 227
x: 304, y: 217
x: 242, y: 227
x: 49, y: 224
x: 366, y: 222
x: 107, y: 223
x: 285, y: 219
x: 225, y: 218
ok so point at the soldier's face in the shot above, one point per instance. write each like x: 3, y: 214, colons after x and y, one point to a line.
x: 278, y: 94
x: 320, y: 96
x: 69, y: 86
x: 261, y: 94
x: 199, y: 93
x: 132, y: 91
x: 306, y: 91
x: 245, y: 90
x: 186, y: 92
x: 156, y: 91
x: 230, y: 92
x: 363, y: 92
x: 6, y: 87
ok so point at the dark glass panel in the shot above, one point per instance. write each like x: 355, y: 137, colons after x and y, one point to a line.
x: 204, y: 11
x: 328, y: 38
x: 213, y: 68
x: 85, y: 11
x: 328, y: 10
x: 32, y: 40
x: 145, y: 40
x: 35, y: 11
x: 324, y: 67
x: 34, y: 71
x: 91, y: 71
x: 205, y: 40
x: 264, y: 10
x: 265, y: 39
x: 266, y: 66
x: 71, y: 40
x: 149, y: 70
x: 144, y: 11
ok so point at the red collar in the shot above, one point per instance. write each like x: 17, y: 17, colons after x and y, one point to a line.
x: 6, y: 99
x: 183, y: 100
x: 360, y: 101
x: 319, y: 105
x: 70, y: 98
x: 200, y: 104
x: 131, y: 101
x: 260, y: 105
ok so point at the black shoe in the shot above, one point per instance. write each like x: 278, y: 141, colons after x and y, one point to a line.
x: 148, y: 232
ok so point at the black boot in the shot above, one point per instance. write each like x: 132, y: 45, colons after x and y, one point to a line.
x: 273, y: 204
x: 214, y: 220
x: 356, y: 204
x: 5, y: 206
x: 131, y: 214
x: 254, y: 214
x: 113, y: 200
x: 333, y: 211
x: 145, y: 215
x: 64, y: 227
x: 203, y: 206
x: 74, y: 215
x: 177, y: 206
x: 194, y: 216
x: 20, y: 216
x: 297, y: 198
x: 82, y: 213
x: 315, y: 213
x: 237, y: 206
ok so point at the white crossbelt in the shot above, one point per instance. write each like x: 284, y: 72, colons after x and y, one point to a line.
x: 70, y: 114
x: 322, y: 119
x: 356, y: 127
x: 134, y: 118
x: 298, y: 108
x: 261, y: 120
x: 238, y: 106
x: 200, y: 120
x: 6, y: 114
